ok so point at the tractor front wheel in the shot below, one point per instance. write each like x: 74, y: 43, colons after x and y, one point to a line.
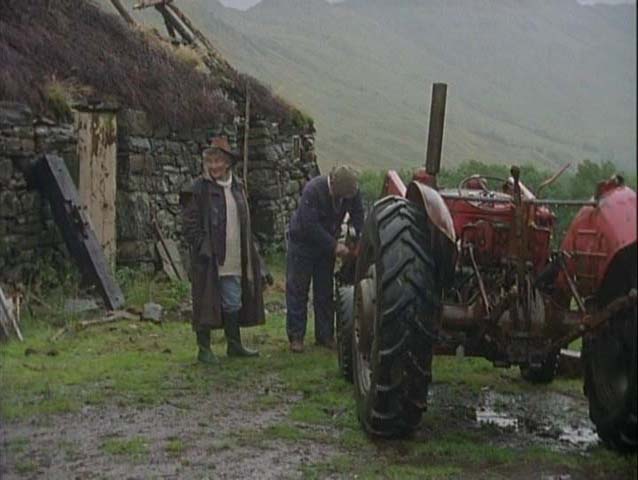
x: 610, y: 363
x: 397, y: 296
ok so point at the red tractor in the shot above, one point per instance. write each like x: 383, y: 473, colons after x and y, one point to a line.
x: 471, y: 269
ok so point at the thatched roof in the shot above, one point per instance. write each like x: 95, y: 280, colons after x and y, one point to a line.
x: 51, y: 51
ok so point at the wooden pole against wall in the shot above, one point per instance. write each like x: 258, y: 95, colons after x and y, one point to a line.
x: 122, y: 11
x: 246, y: 131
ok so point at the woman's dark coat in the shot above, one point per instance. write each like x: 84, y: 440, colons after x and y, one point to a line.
x: 205, y: 231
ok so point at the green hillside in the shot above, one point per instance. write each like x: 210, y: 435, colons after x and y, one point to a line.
x: 542, y: 82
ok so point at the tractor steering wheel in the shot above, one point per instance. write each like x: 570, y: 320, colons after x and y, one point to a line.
x: 482, y: 199
x: 481, y: 179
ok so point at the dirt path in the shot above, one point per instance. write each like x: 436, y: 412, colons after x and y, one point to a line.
x: 219, y: 436
x: 189, y: 437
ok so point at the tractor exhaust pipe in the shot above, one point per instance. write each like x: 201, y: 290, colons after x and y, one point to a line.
x: 435, y: 134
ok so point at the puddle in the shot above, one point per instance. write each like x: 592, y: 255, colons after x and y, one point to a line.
x: 486, y: 416
x: 579, y: 436
x: 546, y: 415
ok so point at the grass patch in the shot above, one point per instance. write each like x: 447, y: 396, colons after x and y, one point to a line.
x: 174, y: 447
x: 136, y: 447
x: 127, y: 364
x: 24, y: 467
x: 284, y: 431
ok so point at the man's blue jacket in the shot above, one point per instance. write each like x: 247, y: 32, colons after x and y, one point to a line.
x: 316, y: 222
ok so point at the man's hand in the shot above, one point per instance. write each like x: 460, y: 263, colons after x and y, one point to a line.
x: 341, y: 250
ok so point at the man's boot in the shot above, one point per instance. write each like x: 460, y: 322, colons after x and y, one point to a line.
x: 205, y: 354
x: 233, y: 337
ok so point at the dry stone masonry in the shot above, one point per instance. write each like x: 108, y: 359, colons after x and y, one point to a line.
x: 155, y: 168
x: 28, y: 235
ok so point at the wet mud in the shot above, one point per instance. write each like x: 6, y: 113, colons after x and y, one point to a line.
x: 543, y: 417
x: 218, y: 435
x: 214, y: 435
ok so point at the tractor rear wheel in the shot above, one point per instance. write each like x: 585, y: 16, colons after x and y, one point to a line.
x: 345, y: 307
x: 397, y: 297
x: 610, y: 362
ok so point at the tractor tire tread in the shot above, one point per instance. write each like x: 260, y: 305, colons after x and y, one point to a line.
x: 396, y: 404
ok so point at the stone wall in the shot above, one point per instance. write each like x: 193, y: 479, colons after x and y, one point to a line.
x: 276, y: 175
x: 154, y: 167
x: 28, y: 235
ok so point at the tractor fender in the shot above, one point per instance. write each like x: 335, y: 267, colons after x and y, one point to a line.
x: 393, y: 185
x: 443, y: 234
x: 597, y: 235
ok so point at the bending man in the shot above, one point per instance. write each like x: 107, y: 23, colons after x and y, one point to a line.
x: 312, y: 249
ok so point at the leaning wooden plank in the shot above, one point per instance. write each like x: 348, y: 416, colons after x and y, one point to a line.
x: 169, y: 249
x: 167, y: 266
x: 16, y: 328
x: 4, y: 325
x: 56, y: 183
x: 7, y: 315
x: 176, y: 258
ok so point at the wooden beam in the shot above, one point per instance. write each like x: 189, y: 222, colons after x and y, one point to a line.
x: 150, y: 3
x: 122, y: 11
x: 170, y: 17
x: 55, y: 182
x: 246, y: 132
x: 199, y: 35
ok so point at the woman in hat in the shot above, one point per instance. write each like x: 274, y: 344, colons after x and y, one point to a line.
x: 225, y: 268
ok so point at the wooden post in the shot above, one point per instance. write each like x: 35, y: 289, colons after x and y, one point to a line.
x: 169, y: 17
x: 246, y: 131
x: 435, y: 135
x: 122, y: 11
x: 150, y: 3
x: 199, y: 35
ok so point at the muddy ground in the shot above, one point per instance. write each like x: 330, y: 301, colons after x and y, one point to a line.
x: 219, y: 437
x: 128, y: 401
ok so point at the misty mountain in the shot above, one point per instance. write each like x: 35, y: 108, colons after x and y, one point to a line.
x: 543, y: 81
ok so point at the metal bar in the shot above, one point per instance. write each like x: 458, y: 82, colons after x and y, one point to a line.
x: 488, y: 308
x: 575, y: 203
x: 588, y: 323
x: 572, y: 285
x: 435, y: 134
x: 471, y: 198
x: 535, y: 201
x: 551, y: 179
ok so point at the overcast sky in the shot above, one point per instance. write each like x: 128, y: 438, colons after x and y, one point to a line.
x: 244, y: 4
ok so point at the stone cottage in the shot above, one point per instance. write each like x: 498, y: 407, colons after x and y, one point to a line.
x: 159, y: 120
